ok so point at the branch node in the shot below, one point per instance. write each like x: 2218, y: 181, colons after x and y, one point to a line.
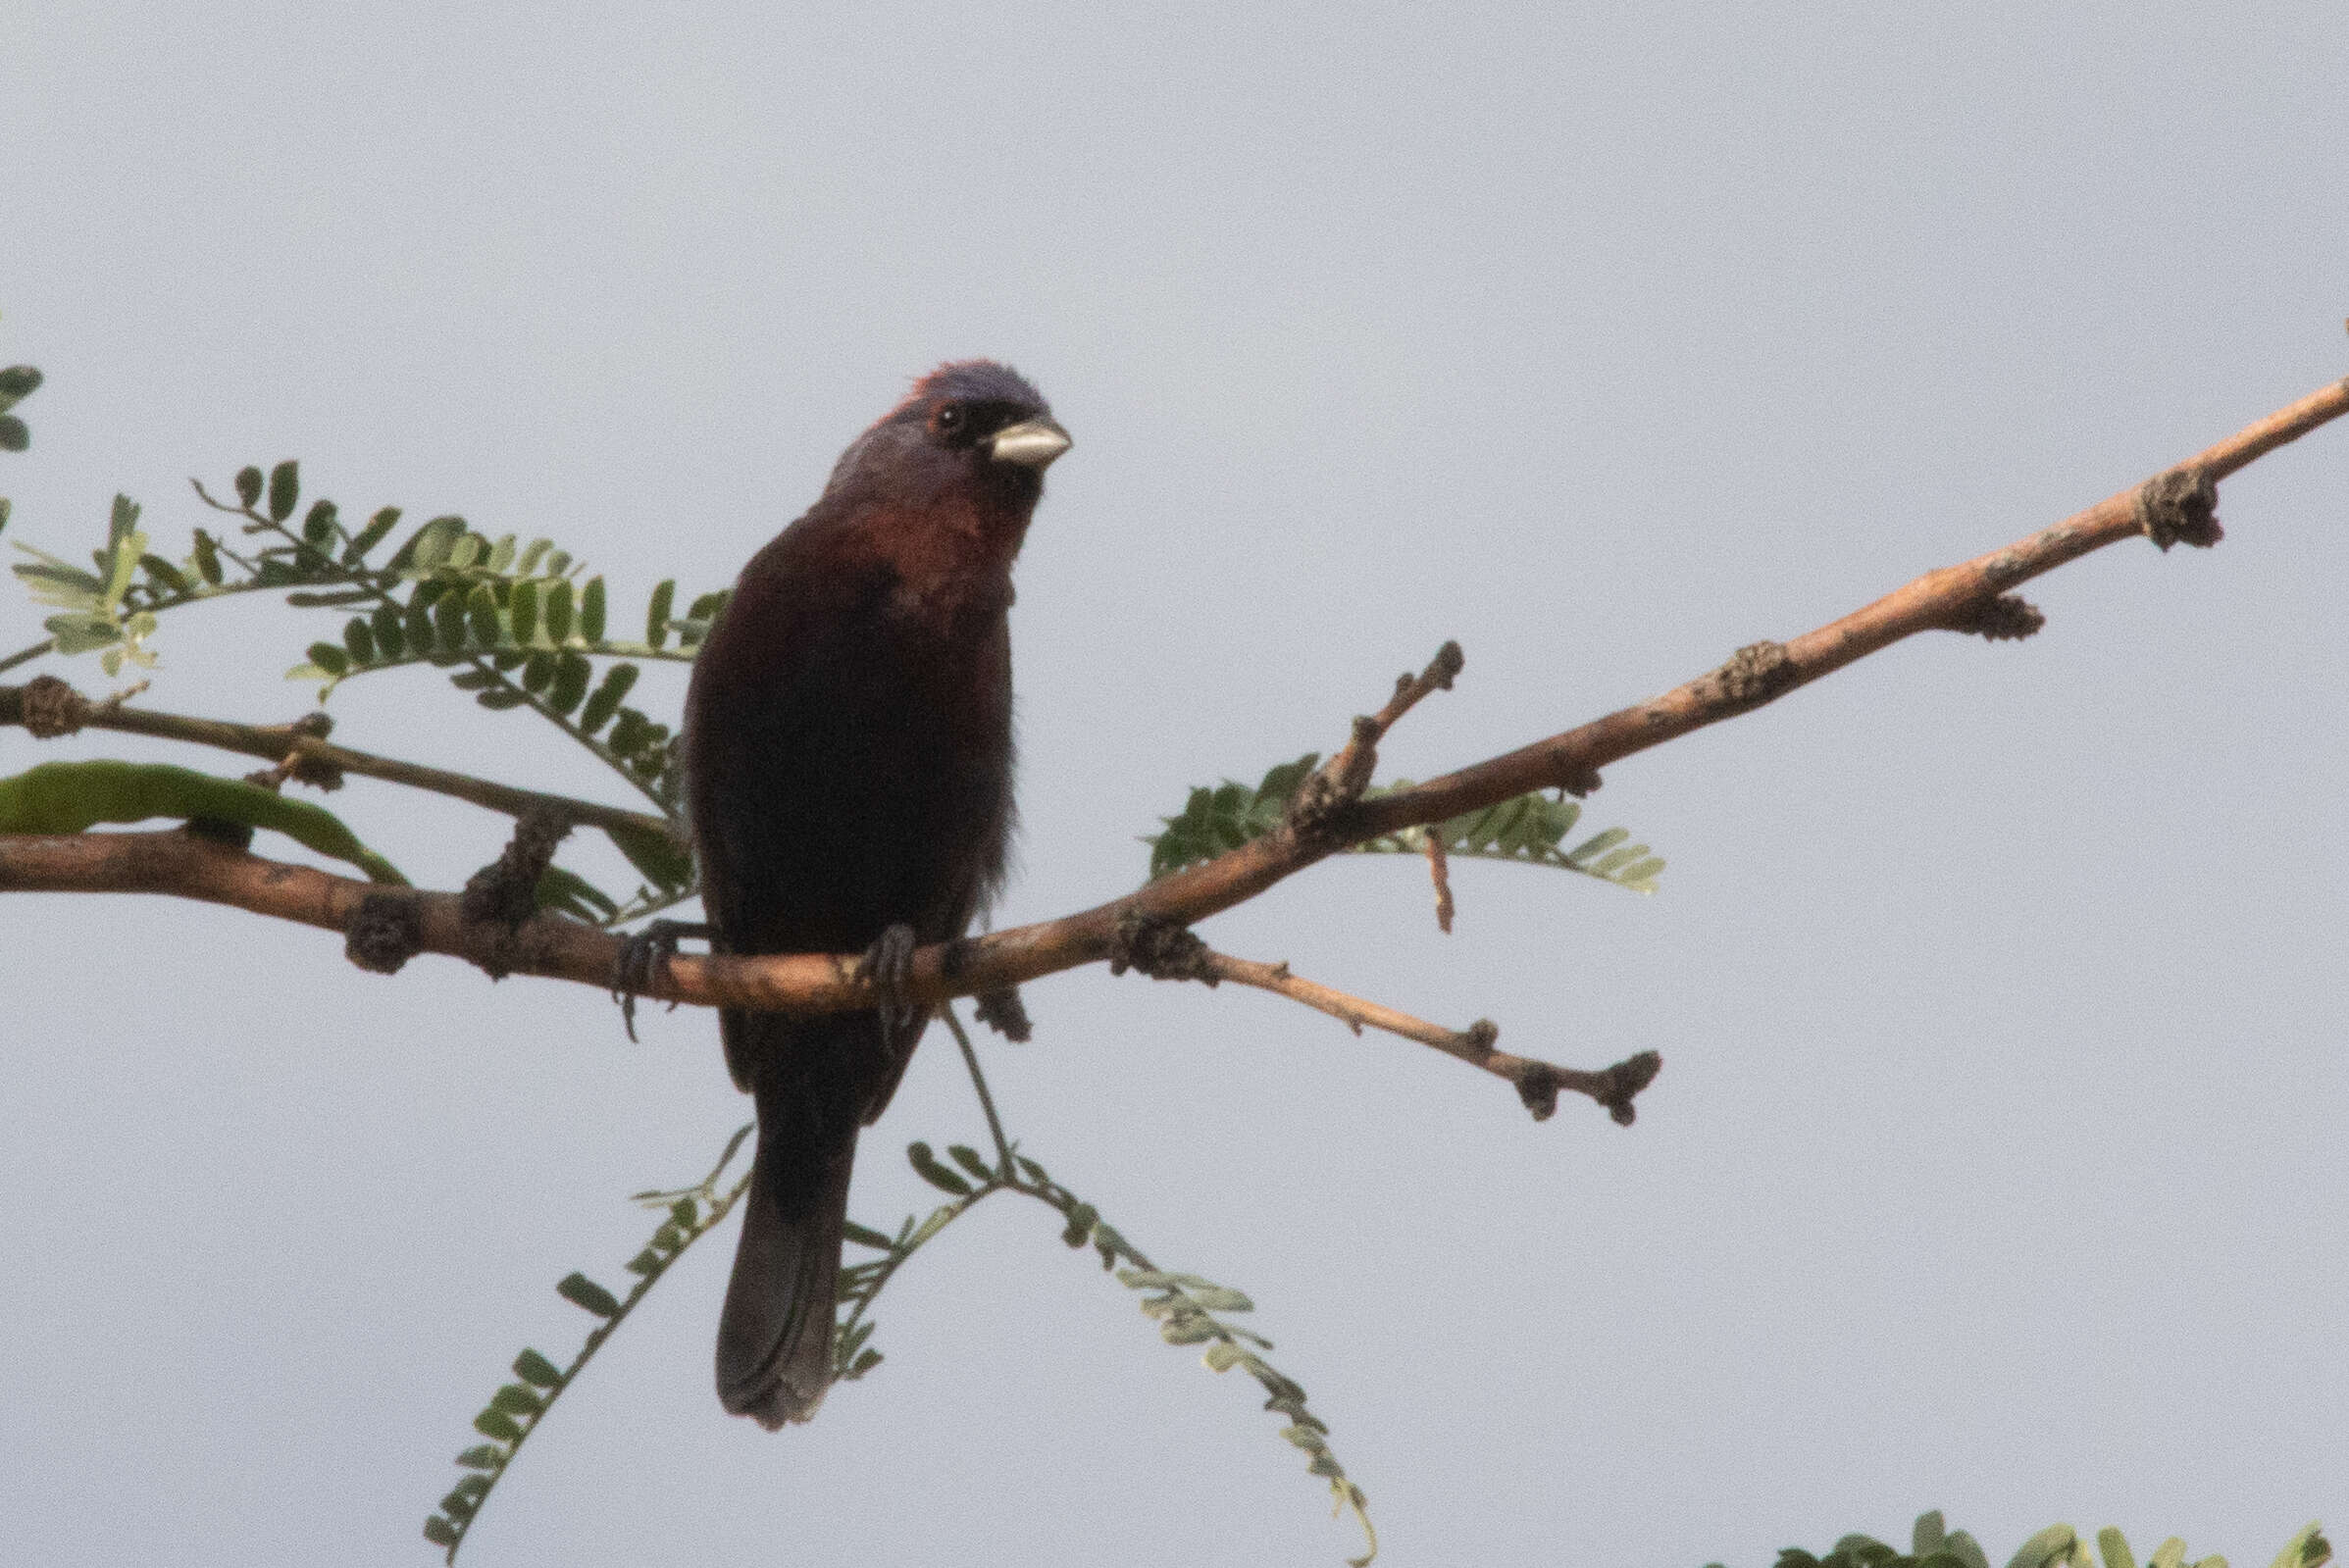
x: 1754, y: 675
x: 52, y: 708
x: 507, y: 890
x: 1623, y: 1082
x: 1338, y: 783
x: 2009, y: 616
x: 1161, y: 948
x: 1484, y: 1033
x: 2181, y: 506
x: 236, y: 835
x: 385, y: 931
x: 305, y: 766
x: 1007, y: 1013
x: 1537, y: 1086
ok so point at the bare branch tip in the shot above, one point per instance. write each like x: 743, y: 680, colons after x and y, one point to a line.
x: 1439, y: 873
x: 1624, y: 1080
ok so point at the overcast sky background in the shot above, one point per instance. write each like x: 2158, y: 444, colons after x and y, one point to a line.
x: 1993, y: 1167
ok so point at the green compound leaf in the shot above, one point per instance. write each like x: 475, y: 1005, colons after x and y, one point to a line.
x: 1528, y: 829
x: 517, y: 1410
x: 75, y: 796
x: 1933, y: 1545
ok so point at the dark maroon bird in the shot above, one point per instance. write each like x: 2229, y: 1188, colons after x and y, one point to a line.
x: 848, y: 763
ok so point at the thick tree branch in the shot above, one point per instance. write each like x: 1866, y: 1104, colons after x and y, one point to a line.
x: 183, y: 865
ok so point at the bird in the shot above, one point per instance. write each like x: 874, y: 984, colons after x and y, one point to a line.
x: 848, y: 751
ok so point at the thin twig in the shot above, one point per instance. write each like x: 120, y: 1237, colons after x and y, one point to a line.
x: 1340, y: 781
x: 987, y: 1101
x: 300, y: 744
x: 25, y: 655
x: 1537, y: 1081
x: 1439, y: 872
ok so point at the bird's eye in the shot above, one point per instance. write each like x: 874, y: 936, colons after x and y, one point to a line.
x: 949, y: 419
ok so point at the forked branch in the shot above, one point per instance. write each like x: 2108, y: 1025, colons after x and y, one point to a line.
x: 2171, y: 507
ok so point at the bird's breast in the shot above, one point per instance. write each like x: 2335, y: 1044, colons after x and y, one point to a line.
x: 849, y: 757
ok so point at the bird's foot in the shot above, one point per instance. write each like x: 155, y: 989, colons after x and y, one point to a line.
x: 888, y: 965
x: 642, y: 953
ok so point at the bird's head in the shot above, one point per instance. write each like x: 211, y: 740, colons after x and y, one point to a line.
x: 970, y: 423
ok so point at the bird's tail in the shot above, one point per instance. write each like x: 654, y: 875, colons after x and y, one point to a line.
x: 774, y: 1335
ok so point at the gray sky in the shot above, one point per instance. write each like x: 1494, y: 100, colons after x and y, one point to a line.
x: 1993, y: 1164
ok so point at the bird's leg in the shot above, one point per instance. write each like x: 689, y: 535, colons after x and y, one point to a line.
x: 641, y: 956
x: 888, y: 965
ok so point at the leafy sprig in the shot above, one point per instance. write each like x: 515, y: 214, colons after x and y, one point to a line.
x: 1528, y: 830
x: 113, y: 607
x: 1933, y: 1545
x: 1187, y: 1309
x: 516, y: 1409
x: 512, y: 622
x: 515, y: 621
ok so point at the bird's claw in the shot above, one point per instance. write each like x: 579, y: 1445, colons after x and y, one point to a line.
x: 888, y: 965
x: 642, y: 953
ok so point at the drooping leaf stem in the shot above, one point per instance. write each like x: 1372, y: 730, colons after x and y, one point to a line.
x: 987, y: 1099
x: 1187, y: 1309
x: 517, y: 1408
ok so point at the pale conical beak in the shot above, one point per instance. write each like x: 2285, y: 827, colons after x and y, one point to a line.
x: 1031, y: 443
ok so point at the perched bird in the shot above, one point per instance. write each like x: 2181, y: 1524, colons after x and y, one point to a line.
x: 848, y: 754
